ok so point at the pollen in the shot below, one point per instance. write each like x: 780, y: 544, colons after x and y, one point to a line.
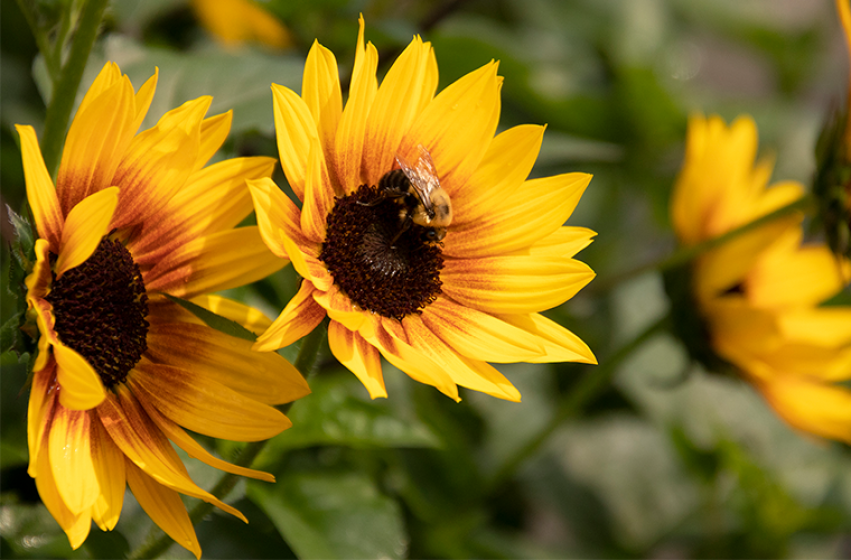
x: 379, y: 269
x: 100, y: 309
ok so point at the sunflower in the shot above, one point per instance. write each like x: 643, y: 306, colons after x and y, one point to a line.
x: 438, y: 299
x: 759, y: 294
x: 122, y: 370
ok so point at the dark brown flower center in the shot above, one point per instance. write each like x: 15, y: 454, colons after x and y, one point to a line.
x: 380, y: 269
x: 100, y: 309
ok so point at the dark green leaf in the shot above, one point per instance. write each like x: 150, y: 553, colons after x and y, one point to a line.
x: 333, y: 515
x: 213, y: 320
x: 10, y: 333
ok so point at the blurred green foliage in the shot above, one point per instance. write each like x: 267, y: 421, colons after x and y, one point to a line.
x: 669, y: 461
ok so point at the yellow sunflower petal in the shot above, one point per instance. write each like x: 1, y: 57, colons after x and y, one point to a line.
x: 145, y: 445
x: 560, y: 345
x: 158, y: 162
x: 340, y: 308
x: 109, y: 469
x: 41, y: 193
x: 818, y: 362
x: 76, y: 526
x: 478, y: 335
x: 214, y: 199
x: 811, y: 406
x: 472, y: 374
x: 97, y: 141
x: 360, y: 357
x: 214, y: 132
x: 250, y: 318
x: 506, y: 164
x: 84, y: 229
x: 70, y: 452
x: 318, y: 195
x: 192, y: 448
x: 564, y: 242
x: 391, y: 340
x: 320, y: 89
x: 405, y: 91
x: 827, y: 326
x: 204, y: 405
x: 457, y: 126
x: 220, y: 261
x: 537, y: 209
x: 264, y: 377
x: 39, y: 411
x: 164, y: 507
x: 738, y: 328
x: 350, y: 133
x: 108, y: 75
x: 144, y: 97
x: 805, y: 276
x: 296, y: 131
x: 81, y: 387
x: 512, y: 285
x: 276, y: 213
x: 301, y: 315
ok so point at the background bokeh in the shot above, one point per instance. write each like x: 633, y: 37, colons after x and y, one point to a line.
x: 668, y: 461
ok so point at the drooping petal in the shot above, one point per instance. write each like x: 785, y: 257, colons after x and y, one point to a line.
x: 215, y: 356
x: 70, y: 452
x: 359, y: 356
x: 300, y: 316
x: 478, y: 335
x: 810, y: 405
x: 473, y: 374
x: 87, y: 223
x: 39, y: 412
x: 350, y: 133
x: 406, y: 89
x: 511, y: 285
x: 192, y: 448
x: 164, y: 507
x: 537, y: 209
x: 145, y: 445
x: 81, y: 386
x: 76, y: 526
x: 219, y: 261
x: 560, y: 345
x: 109, y: 468
x: 252, y: 319
x: 41, y: 193
x: 204, y: 405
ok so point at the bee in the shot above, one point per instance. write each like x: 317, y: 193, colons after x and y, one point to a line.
x: 416, y: 188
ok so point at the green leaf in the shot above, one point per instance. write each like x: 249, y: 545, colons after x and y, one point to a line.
x: 213, y: 320
x: 10, y: 333
x: 333, y: 515
x: 235, y: 81
x: 333, y: 415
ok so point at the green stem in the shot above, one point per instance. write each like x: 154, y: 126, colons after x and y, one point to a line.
x: 158, y: 542
x: 587, y: 389
x: 28, y: 8
x: 65, y: 88
x: 685, y: 254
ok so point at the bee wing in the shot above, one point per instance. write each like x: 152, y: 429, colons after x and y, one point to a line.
x: 422, y: 175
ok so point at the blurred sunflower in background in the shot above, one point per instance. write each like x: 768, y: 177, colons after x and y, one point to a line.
x: 236, y: 22
x: 122, y: 370
x: 419, y: 235
x: 759, y: 294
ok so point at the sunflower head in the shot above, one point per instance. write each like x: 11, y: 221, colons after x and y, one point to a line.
x: 419, y: 234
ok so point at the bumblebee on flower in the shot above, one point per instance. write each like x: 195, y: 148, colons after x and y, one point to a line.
x: 419, y: 235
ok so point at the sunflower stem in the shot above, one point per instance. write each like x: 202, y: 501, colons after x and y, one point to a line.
x: 41, y: 36
x: 591, y: 386
x: 65, y: 87
x: 157, y: 542
x: 686, y: 254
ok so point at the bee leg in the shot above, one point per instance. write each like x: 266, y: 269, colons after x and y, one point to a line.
x: 403, y: 227
x: 385, y: 194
